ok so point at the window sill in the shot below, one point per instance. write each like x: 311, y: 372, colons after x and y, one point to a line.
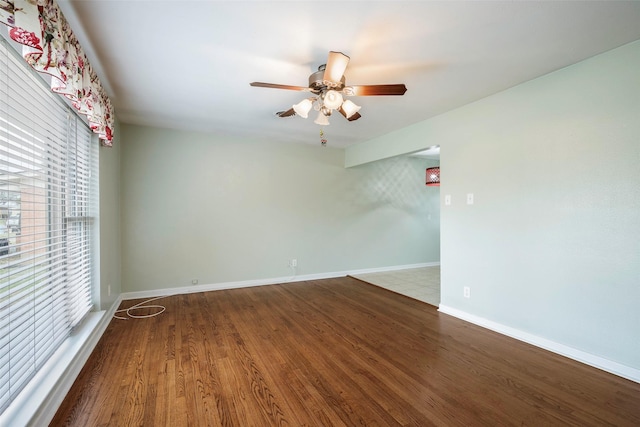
x: 39, y: 401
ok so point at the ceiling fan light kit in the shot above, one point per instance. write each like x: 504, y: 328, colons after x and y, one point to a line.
x: 328, y: 84
x: 350, y: 108
x: 332, y: 99
x: 303, y: 107
x: 322, y: 119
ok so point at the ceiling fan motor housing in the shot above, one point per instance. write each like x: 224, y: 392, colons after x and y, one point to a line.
x: 317, y: 85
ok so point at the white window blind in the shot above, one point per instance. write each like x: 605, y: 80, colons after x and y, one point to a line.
x: 47, y: 195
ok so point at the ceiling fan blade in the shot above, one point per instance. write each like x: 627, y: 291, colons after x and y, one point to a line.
x: 277, y: 86
x: 335, y: 68
x: 354, y: 116
x: 375, y: 90
x: 289, y: 113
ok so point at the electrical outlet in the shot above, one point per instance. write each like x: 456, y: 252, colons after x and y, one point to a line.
x: 194, y: 281
x: 293, y: 263
x: 467, y: 292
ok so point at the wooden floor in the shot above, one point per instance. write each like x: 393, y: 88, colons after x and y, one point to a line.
x: 330, y: 353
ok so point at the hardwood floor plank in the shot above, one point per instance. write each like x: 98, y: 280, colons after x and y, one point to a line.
x: 357, y: 360
x: 336, y: 352
x: 308, y: 360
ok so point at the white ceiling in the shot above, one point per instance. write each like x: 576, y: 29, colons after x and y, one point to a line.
x: 188, y: 64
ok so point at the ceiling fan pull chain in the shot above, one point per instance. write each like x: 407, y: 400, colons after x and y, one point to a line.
x: 323, y: 141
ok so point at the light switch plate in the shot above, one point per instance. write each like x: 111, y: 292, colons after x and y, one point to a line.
x: 447, y: 200
x: 470, y: 198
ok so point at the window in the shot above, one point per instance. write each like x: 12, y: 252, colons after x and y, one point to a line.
x: 48, y: 191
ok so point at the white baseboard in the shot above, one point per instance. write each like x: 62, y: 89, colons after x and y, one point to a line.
x: 262, y: 282
x: 393, y: 268
x: 607, y: 365
x: 224, y: 285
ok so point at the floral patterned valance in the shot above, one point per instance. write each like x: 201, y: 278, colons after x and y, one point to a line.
x: 50, y: 46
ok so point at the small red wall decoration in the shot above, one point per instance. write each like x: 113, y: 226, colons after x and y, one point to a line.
x: 433, y: 177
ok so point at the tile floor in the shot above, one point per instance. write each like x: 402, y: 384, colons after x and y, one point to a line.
x: 420, y: 283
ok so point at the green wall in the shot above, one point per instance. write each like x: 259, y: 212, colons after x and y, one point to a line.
x: 201, y: 206
x: 551, y: 246
x: 109, y: 165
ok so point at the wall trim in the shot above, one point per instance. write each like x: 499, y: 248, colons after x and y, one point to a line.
x: 263, y: 282
x: 393, y: 268
x: 38, y: 402
x: 601, y: 363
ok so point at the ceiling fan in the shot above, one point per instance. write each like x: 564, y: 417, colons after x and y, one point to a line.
x: 329, y: 89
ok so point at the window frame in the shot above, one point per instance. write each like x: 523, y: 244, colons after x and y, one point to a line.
x: 75, y: 208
